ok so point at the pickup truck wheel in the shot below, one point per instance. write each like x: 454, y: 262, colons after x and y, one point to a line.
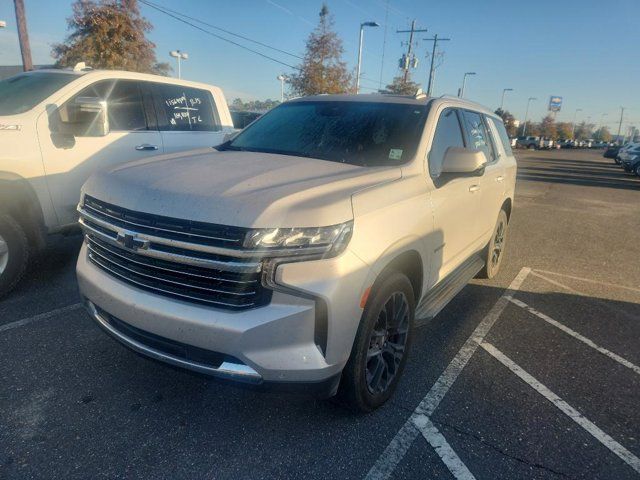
x: 494, y: 251
x: 14, y: 253
x: 532, y: 147
x: 381, y: 346
x: 638, y: 169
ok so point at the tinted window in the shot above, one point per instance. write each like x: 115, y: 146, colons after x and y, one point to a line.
x: 22, y: 92
x: 359, y: 133
x: 477, y: 135
x: 124, y: 102
x: 502, y: 132
x: 181, y: 108
x: 448, y: 134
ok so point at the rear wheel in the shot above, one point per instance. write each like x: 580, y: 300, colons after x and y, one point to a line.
x: 494, y: 251
x: 381, y: 346
x: 637, y: 170
x: 14, y: 253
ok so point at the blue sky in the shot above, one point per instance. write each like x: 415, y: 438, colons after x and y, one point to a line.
x: 583, y: 50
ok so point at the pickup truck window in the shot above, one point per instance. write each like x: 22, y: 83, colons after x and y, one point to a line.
x: 181, y: 108
x: 477, y: 134
x: 124, y: 101
x: 359, y: 133
x: 23, y: 92
x: 448, y: 134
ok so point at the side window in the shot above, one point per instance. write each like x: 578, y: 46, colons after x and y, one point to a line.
x: 124, y: 101
x: 477, y: 134
x: 502, y: 133
x: 448, y: 134
x: 181, y: 108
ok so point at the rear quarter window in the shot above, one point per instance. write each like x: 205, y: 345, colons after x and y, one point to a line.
x: 502, y: 133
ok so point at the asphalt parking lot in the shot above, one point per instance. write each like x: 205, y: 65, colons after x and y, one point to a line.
x: 532, y: 375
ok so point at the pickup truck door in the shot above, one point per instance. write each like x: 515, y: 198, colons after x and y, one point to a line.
x: 70, y: 155
x: 455, y: 200
x: 187, y: 117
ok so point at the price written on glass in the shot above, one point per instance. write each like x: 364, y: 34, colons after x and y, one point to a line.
x: 184, y: 109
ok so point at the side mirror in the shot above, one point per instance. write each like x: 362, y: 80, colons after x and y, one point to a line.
x: 93, y: 114
x: 458, y: 160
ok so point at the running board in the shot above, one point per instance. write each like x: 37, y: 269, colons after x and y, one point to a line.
x: 443, y: 292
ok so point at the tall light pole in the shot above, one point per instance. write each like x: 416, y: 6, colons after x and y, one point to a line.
x: 362, y: 25
x: 526, y: 114
x: 180, y: 56
x: 573, y: 128
x: 464, y: 82
x: 620, y: 124
x: 283, y: 78
x: 504, y: 90
x: 432, y: 70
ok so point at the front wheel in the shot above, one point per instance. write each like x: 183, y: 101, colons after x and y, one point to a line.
x: 381, y: 346
x: 637, y: 170
x: 14, y: 253
x: 494, y: 251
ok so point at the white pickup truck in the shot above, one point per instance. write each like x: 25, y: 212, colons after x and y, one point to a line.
x: 59, y: 126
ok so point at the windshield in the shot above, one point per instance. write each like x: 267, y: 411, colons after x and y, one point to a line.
x: 22, y: 92
x: 358, y: 133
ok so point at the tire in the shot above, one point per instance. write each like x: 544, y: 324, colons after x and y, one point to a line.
x: 358, y: 389
x: 532, y: 147
x: 618, y: 161
x: 495, y: 247
x: 637, y: 169
x: 14, y: 253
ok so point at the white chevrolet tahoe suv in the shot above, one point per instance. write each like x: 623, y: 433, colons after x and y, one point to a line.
x: 300, y: 253
x: 59, y: 126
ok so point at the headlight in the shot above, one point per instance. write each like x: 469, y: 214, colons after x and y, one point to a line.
x: 323, y: 241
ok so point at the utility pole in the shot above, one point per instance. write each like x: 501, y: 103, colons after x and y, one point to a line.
x: 435, y: 41
x: 408, y: 61
x: 526, y: 114
x: 504, y: 90
x: 23, y: 36
x: 620, y: 124
x: 573, y: 128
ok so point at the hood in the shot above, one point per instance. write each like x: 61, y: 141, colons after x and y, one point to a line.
x: 245, y: 189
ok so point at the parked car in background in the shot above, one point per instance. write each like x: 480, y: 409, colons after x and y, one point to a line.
x: 59, y: 126
x: 299, y: 254
x: 623, y: 149
x: 599, y: 144
x: 243, y: 118
x: 630, y: 160
x: 530, y: 142
x: 611, y: 151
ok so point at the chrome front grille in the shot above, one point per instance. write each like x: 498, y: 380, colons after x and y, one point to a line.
x: 142, y: 251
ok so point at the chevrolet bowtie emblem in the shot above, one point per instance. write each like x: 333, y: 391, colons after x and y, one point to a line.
x: 130, y: 241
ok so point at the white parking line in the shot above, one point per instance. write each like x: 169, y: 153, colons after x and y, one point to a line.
x: 624, y: 454
x: 41, y: 316
x: 400, y: 444
x: 588, y: 280
x: 576, y: 335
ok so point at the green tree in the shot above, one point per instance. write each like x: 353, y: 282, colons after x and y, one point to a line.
x: 399, y: 87
x: 108, y: 34
x: 322, y: 69
x: 583, y: 131
x: 602, y: 134
x: 564, y: 129
x: 508, y: 120
x: 548, y: 127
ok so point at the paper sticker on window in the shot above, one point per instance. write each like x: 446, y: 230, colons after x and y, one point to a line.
x: 395, y: 154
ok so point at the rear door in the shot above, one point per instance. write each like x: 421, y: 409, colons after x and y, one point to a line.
x: 70, y: 153
x: 455, y: 199
x: 491, y: 193
x: 187, y: 117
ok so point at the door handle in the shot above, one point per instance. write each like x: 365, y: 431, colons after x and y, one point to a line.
x: 474, y: 188
x: 146, y: 146
x: 499, y: 178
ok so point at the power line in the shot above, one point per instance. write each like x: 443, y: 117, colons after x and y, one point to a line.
x: 176, y: 17
x: 222, y: 29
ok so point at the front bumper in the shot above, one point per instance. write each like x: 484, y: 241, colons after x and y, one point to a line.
x: 271, y: 346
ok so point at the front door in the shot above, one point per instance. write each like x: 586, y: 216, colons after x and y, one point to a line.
x: 455, y: 200
x: 71, y: 154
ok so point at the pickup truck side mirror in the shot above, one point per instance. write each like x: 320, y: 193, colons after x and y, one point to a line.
x: 93, y: 113
x: 458, y: 160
